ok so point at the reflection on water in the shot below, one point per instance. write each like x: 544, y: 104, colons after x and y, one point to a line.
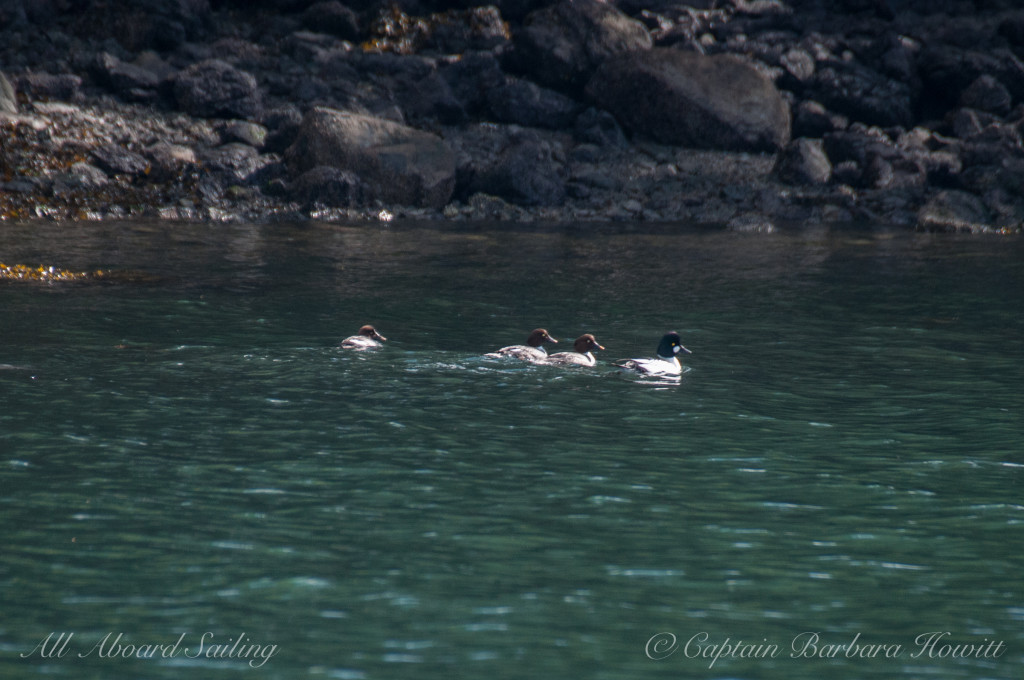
x: 190, y: 454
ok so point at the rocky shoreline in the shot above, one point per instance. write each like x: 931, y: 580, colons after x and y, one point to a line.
x: 742, y: 113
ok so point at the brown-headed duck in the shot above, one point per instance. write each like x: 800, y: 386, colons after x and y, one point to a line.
x: 366, y: 338
x: 533, y: 350
x: 581, y: 355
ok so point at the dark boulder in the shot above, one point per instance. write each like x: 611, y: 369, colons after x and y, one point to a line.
x: 170, y: 162
x: 8, y: 97
x: 397, y: 163
x: 561, y: 46
x: 332, y: 17
x: 233, y: 163
x: 471, y: 78
x: 599, y: 128
x: 476, y: 28
x: 953, y: 211
x: 811, y: 119
x: 966, y: 123
x: 64, y: 87
x: 862, y: 94
x: 518, y: 166
x: 859, y: 144
x: 114, y: 159
x: 124, y: 79
x: 328, y: 186
x: 216, y: 89
x: 525, y: 173
x: 948, y: 71
x: 243, y: 132
x: 282, y: 125
x: 911, y: 160
x: 522, y: 102
x: 803, y: 162
x: 140, y: 24
x: 676, y: 97
x: 80, y: 176
x: 987, y: 94
x: 430, y: 99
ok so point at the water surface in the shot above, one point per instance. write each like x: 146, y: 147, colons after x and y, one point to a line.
x: 189, y: 453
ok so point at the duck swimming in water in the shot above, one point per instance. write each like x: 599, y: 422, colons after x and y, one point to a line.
x: 533, y: 350
x: 366, y: 338
x: 665, y: 365
x: 581, y: 355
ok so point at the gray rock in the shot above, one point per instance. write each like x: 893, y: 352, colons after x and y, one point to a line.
x: 8, y: 99
x: 140, y: 24
x: 327, y: 186
x: 848, y: 172
x: 861, y: 94
x: 244, y: 132
x: 675, y: 97
x: 866, y: 157
x: 811, y: 119
x: 80, y: 176
x: 951, y: 211
x: 859, y: 143
x: 803, y: 161
x: 477, y: 28
x: 947, y: 71
x: 521, y: 102
x: 561, y: 46
x: 114, y: 159
x: 397, y: 163
x: 233, y: 163
x: 471, y: 78
x: 48, y: 86
x: 598, y: 127
x: 1012, y: 28
x: 332, y: 17
x: 519, y: 166
x: 125, y: 79
x: 750, y: 223
x: 430, y: 98
x: 596, y: 178
x: 798, y: 63
x: 966, y: 123
x: 169, y: 161
x: 216, y: 89
x: 939, y: 156
x: 525, y: 173
x: 987, y: 94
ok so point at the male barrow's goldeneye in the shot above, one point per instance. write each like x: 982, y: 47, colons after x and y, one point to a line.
x: 665, y: 365
x: 367, y: 338
x: 531, y: 351
x: 580, y: 357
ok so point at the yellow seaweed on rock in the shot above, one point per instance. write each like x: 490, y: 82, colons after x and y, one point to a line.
x: 23, y: 272
x: 395, y: 31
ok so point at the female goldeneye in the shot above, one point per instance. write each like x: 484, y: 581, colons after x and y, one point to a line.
x: 580, y: 357
x: 367, y: 338
x: 531, y: 351
x: 665, y: 365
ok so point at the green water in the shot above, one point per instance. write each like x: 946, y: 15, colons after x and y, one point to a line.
x: 191, y: 455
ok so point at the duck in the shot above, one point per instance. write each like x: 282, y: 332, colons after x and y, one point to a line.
x: 532, y: 351
x: 366, y: 338
x: 581, y: 355
x: 665, y: 365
